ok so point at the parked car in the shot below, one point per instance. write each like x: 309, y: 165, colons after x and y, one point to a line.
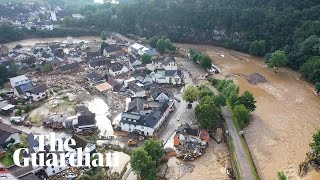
x: 16, y: 119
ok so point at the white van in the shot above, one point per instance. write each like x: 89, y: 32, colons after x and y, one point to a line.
x: 16, y: 119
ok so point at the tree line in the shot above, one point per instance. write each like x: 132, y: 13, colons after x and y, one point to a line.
x: 257, y: 27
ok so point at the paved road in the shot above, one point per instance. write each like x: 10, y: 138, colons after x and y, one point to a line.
x: 241, y: 156
x: 181, y: 112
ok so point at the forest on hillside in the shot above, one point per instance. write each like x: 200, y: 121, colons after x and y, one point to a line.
x: 259, y: 27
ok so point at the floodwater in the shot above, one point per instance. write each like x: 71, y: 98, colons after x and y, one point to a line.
x: 101, y: 109
x: 33, y: 41
x: 287, y: 114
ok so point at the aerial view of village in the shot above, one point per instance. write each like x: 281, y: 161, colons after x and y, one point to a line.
x: 166, y: 89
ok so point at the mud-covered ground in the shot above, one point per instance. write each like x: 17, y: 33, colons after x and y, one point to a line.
x: 287, y: 114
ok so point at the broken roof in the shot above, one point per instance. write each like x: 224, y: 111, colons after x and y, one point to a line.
x: 37, y: 89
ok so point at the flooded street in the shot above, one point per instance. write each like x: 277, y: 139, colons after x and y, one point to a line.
x: 287, y: 114
x: 101, y: 109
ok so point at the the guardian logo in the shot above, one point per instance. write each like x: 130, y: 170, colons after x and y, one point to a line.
x: 61, y: 154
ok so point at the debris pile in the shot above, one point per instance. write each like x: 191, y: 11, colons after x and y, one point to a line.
x: 256, y: 78
x: 190, y: 143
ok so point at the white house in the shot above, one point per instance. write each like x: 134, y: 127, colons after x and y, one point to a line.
x: 118, y: 69
x: 37, y: 92
x: 19, y: 80
x: 145, y: 125
x: 134, y: 48
x: 162, y: 76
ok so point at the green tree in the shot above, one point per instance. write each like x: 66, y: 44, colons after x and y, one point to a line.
x: 154, y: 148
x: 27, y: 108
x: 310, y: 70
x: 103, y: 36
x: 258, y: 48
x: 219, y: 100
x: 146, y: 59
x: 153, y: 41
x: 190, y: 94
x: 204, y: 91
x: 142, y: 164
x: 317, y: 87
x: 281, y: 175
x: 161, y: 46
x: 248, y: 101
x: 169, y: 45
x: 47, y: 68
x: 277, y: 59
x: 241, y: 113
x: 205, y: 62
x: 18, y: 113
x: 208, y: 114
x: 315, y: 144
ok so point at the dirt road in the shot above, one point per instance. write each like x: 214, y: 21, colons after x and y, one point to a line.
x: 287, y: 114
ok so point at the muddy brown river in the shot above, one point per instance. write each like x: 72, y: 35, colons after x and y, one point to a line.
x: 287, y: 114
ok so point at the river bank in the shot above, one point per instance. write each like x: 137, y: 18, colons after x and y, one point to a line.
x: 287, y: 112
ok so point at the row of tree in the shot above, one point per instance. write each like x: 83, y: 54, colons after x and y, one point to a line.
x: 200, y: 58
x: 144, y: 160
x: 241, y: 105
x: 162, y: 44
x: 208, y: 110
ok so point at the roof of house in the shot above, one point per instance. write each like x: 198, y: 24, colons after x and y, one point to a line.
x: 88, y: 119
x: 104, y: 87
x: 137, y: 46
x: 186, y: 129
x: 23, y: 88
x: 149, y: 121
x: 132, y: 59
x: 112, y: 48
x: 159, y: 60
x: 101, y: 61
x: 168, y: 60
x: 18, y: 78
x: 93, y: 54
x: 6, y: 131
x: 68, y: 67
x: 136, y: 105
x: 37, y: 89
x: 112, y: 82
x: 117, y: 67
x: 93, y: 76
x: 135, y: 88
x: 171, y: 73
x: 155, y: 92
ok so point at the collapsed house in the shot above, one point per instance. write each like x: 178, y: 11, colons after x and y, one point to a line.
x: 189, y: 142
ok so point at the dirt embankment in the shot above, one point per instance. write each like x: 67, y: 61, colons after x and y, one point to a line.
x: 287, y: 114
